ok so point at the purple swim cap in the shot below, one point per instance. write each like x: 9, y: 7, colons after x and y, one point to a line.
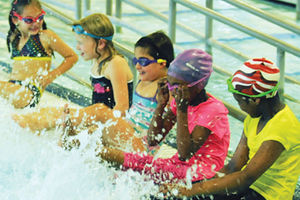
x: 191, y: 66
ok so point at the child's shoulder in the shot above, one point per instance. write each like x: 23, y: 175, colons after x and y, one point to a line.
x: 214, y: 105
x: 118, y: 59
x: 117, y: 67
x: 117, y: 63
x: 48, y: 35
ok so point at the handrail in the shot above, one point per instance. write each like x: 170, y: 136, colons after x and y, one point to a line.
x: 212, y: 42
x: 233, y: 111
x: 69, y: 20
x: 265, y: 15
x: 282, y: 46
x: 163, y: 17
x: 251, y: 31
x: 197, y: 34
x: 76, y: 8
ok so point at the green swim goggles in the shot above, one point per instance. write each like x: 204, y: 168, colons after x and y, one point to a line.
x: 271, y: 92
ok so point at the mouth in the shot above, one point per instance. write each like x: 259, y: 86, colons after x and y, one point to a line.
x: 34, y: 29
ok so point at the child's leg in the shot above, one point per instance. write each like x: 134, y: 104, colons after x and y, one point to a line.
x: 19, y: 96
x: 43, y: 118
x: 119, y: 134
x: 92, y: 114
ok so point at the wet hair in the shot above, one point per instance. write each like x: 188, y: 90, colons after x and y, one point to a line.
x: 159, y: 46
x: 18, y: 7
x: 99, y: 24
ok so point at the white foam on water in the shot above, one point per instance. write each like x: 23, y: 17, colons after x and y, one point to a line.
x: 34, y: 167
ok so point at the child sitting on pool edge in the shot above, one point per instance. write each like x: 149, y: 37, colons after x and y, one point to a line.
x: 202, y: 125
x: 266, y: 163
x: 111, y: 77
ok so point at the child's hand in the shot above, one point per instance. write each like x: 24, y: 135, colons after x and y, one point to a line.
x: 171, y: 190
x: 163, y: 92
x: 43, y: 81
x: 182, y: 97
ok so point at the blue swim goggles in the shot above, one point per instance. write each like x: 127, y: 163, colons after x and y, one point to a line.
x: 79, y: 30
x: 145, y: 61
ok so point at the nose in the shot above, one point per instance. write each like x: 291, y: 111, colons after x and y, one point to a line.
x: 138, y: 66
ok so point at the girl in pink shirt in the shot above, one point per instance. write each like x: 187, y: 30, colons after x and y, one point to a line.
x: 202, y: 125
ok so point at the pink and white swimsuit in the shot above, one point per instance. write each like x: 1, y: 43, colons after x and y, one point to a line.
x: 209, y: 159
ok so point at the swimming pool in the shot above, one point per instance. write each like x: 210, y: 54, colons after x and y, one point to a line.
x: 35, y: 168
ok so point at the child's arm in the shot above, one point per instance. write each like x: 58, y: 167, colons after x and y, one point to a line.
x: 118, y: 76
x: 56, y: 44
x: 187, y: 144
x: 114, y: 156
x: 267, y: 154
x: 163, y: 118
x: 239, y: 158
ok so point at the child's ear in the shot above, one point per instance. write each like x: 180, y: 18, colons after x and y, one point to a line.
x: 163, y: 64
x: 15, y: 21
x: 101, y: 44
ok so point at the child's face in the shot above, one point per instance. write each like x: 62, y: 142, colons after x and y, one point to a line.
x: 150, y: 72
x: 248, y: 105
x: 86, y: 45
x: 175, y: 85
x: 31, y: 11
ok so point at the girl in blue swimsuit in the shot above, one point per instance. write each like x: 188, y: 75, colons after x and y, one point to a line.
x: 153, y: 54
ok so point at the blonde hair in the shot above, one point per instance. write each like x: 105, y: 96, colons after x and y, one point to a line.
x: 99, y: 24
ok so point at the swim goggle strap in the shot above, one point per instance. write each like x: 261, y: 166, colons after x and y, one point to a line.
x: 269, y: 94
x: 79, y: 30
x: 30, y: 20
x: 145, y: 61
x: 172, y: 87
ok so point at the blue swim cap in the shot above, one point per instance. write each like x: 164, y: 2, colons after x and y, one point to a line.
x: 193, y: 65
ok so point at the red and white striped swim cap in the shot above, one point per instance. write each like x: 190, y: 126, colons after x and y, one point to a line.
x: 256, y: 76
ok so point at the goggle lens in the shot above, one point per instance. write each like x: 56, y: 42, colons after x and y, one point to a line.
x: 145, y: 61
x: 30, y: 20
x: 78, y: 29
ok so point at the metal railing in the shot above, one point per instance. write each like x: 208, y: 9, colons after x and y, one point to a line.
x: 282, y: 47
x: 235, y: 112
x: 77, y: 8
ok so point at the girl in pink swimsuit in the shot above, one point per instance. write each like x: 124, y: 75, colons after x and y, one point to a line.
x: 202, y: 125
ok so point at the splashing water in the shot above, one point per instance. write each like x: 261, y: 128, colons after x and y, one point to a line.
x: 34, y: 167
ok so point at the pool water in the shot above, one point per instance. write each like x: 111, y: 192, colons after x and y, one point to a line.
x: 36, y: 168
